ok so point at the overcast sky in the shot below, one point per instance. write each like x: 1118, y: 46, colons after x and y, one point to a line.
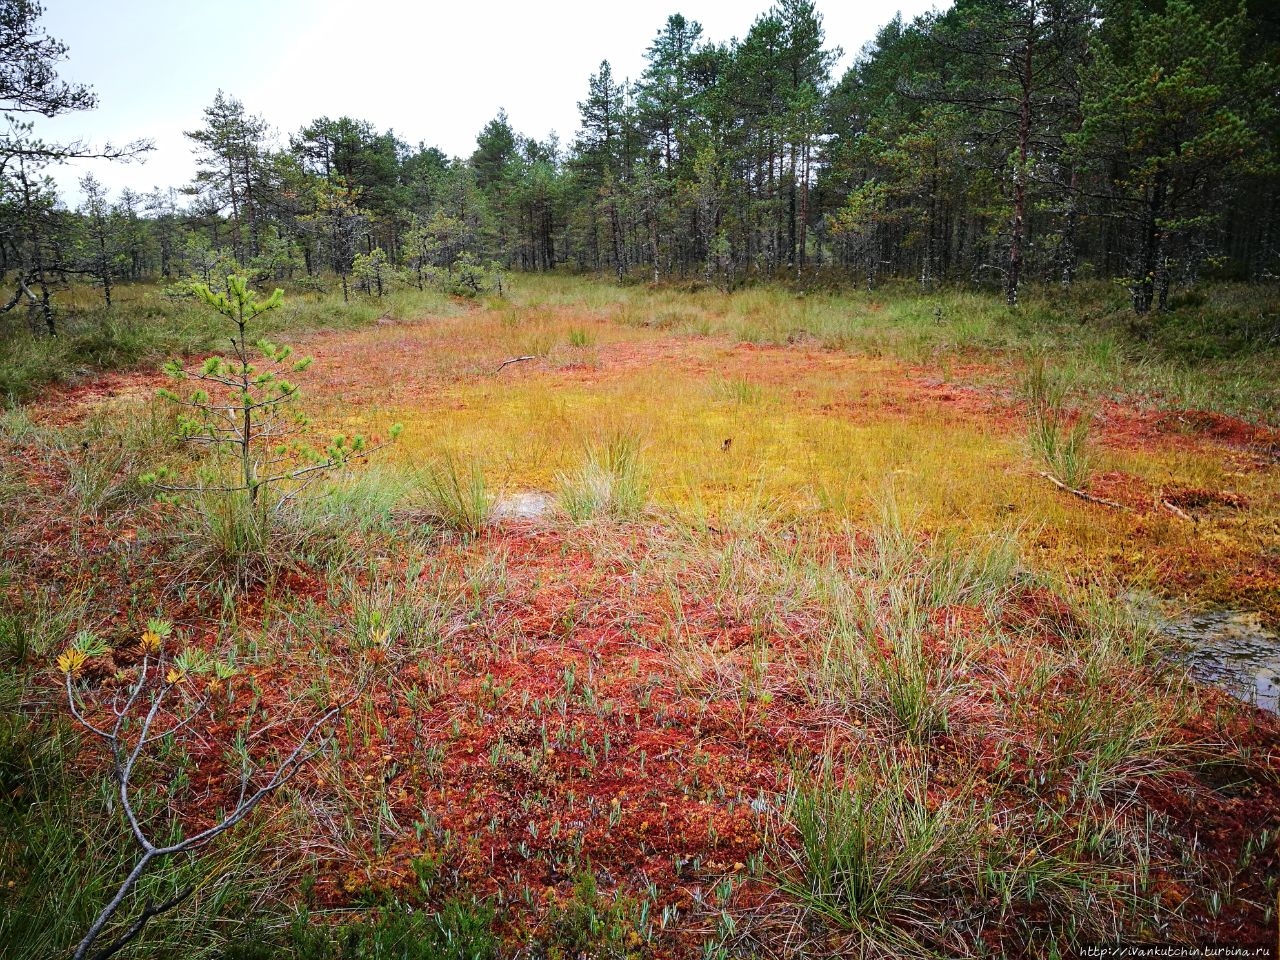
x: 433, y: 72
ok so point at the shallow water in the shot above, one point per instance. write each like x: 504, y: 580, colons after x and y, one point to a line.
x: 522, y: 506
x: 1234, y: 651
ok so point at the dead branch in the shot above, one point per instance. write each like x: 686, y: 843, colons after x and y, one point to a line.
x: 506, y: 363
x: 125, y: 756
x: 1178, y: 511
x: 152, y: 909
x: 1088, y: 497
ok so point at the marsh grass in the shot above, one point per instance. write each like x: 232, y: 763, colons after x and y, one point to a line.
x: 366, y: 501
x: 885, y: 652
x: 230, y: 530
x: 1062, y: 447
x: 225, y: 541
x: 1101, y: 702
x: 581, y: 338
x: 915, y: 686
x: 740, y: 390
x: 538, y: 340
x: 1058, y: 438
x: 906, y: 860
x: 1215, y: 353
x: 1044, y: 386
x: 1098, y: 744
x: 17, y: 425
x: 871, y: 855
x: 462, y: 929
x: 456, y: 495
x: 32, y: 630
x: 397, y: 617
x: 1121, y: 627
x: 104, y: 456
x: 981, y: 571
x: 611, y: 482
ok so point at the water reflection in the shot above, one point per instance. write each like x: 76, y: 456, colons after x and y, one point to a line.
x: 1234, y: 651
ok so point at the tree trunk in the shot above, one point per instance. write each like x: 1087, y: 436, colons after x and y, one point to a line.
x: 615, y: 226
x: 804, y: 210
x: 1014, y: 277
x: 1144, y: 286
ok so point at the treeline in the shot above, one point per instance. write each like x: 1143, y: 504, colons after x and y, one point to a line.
x: 995, y: 143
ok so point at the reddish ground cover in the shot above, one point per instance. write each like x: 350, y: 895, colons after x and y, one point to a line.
x: 577, y: 711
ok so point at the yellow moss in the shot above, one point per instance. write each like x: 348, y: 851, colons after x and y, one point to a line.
x: 777, y: 434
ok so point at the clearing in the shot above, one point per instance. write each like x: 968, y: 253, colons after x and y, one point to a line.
x: 780, y: 641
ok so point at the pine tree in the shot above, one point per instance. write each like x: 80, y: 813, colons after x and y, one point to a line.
x: 230, y: 162
x: 101, y: 236
x: 1172, y: 115
x: 243, y: 408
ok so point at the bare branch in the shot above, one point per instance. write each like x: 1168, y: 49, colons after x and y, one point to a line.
x: 1089, y: 497
x: 506, y: 363
x: 124, y: 760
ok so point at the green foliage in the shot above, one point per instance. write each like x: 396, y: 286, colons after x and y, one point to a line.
x: 35, y: 629
x: 106, y: 456
x: 593, y: 924
x: 470, y: 279
x: 372, y: 272
x: 611, y: 483
x: 226, y: 531
x: 461, y: 930
x: 456, y: 496
x: 916, y: 687
x: 1173, y: 106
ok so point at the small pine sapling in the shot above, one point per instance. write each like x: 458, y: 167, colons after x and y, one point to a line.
x: 244, y: 408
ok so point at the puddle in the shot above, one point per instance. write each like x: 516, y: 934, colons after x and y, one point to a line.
x: 1234, y: 651
x: 523, y: 506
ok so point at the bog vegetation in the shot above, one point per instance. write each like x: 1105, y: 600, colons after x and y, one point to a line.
x: 744, y: 531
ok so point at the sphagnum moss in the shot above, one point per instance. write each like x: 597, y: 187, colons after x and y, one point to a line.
x: 851, y: 617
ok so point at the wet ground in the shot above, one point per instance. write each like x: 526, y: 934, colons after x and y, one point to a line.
x: 1233, y: 650
x: 523, y: 506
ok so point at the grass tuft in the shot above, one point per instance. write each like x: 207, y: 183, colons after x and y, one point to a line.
x: 612, y: 482
x: 456, y: 496
x: 872, y: 851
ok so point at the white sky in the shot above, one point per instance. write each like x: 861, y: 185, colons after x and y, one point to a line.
x: 434, y: 72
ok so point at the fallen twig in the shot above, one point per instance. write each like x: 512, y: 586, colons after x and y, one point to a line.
x: 504, y: 363
x: 124, y: 758
x: 1089, y: 497
x: 1178, y: 511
